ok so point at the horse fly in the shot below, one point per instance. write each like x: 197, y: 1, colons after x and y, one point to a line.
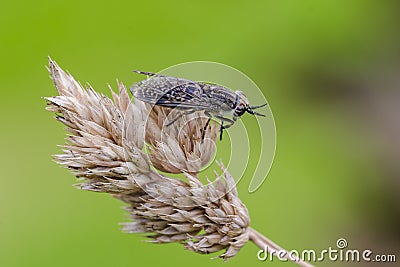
x: 190, y: 96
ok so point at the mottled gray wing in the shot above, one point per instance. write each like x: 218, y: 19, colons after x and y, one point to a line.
x: 172, y: 92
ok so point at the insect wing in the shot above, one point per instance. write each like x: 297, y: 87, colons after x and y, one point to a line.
x: 171, y: 92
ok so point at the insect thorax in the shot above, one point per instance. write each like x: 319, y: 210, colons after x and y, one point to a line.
x: 222, y: 100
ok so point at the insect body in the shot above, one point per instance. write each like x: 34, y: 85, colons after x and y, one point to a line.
x: 191, y: 96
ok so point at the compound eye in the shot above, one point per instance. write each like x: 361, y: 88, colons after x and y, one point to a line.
x: 240, y: 110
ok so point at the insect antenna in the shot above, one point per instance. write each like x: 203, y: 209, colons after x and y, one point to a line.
x: 260, y: 106
x: 259, y: 114
x: 251, y: 111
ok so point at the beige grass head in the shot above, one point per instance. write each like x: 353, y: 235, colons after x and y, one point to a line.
x: 119, y: 147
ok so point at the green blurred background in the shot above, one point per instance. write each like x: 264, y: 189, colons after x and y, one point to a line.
x: 330, y: 72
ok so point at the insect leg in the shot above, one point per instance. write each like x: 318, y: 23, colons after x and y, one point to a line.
x: 231, y: 122
x: 223, y: 119
x: 180, y: 115
x: 148, y: 73
x: 174, y: 120
x: 221, y: 130
x: 228, y: 126
x: 205, y: 126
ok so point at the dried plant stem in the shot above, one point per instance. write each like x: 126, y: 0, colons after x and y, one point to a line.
x: 262, y: 242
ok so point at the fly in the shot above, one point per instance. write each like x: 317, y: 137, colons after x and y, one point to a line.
x: 190, y: 96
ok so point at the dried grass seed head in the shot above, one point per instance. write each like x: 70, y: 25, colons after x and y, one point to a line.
x: 105, y: 147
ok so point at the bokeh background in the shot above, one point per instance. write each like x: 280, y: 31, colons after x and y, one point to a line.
x: 330, y: 72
